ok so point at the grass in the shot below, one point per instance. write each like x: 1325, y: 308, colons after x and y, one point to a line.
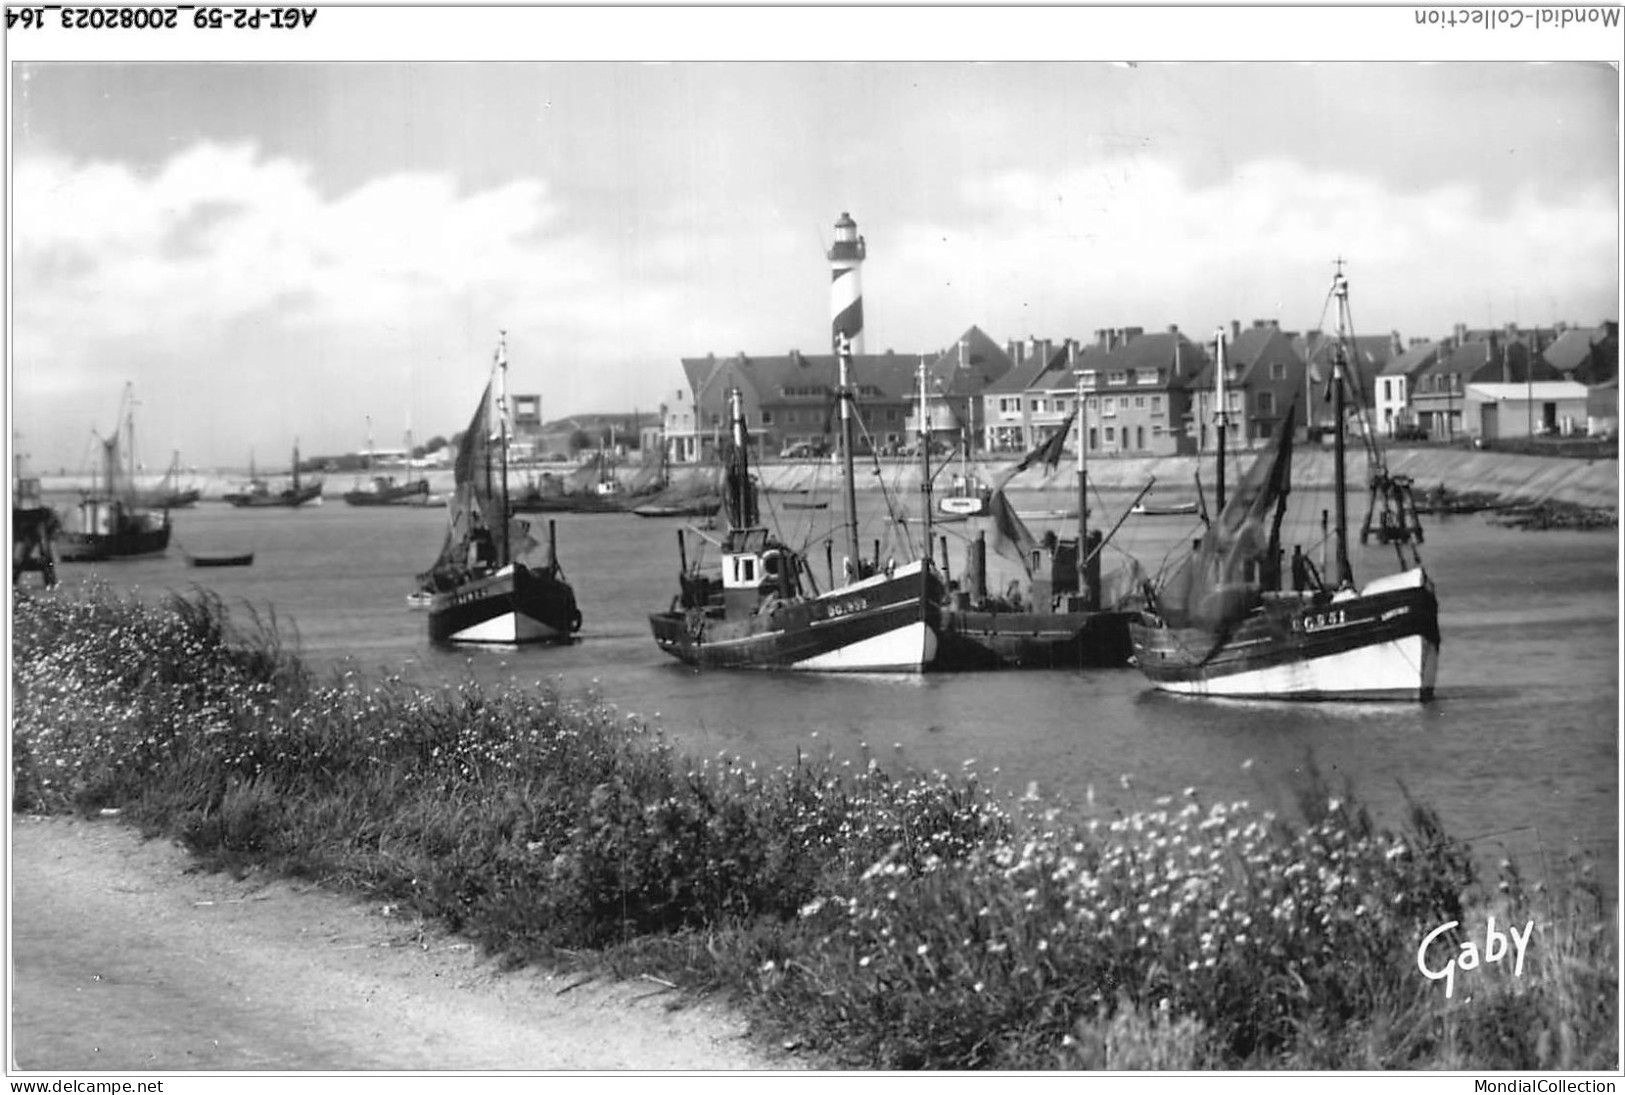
x: 874, y: 920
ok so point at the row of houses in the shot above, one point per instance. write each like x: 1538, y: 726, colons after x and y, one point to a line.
x: 1154, y: 393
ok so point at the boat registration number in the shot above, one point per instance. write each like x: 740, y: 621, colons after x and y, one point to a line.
x: 1320, y: 621
x: 847, y: 607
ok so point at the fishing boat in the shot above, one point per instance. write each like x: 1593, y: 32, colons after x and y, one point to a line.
x: 168, y: 493
x: 478, y: 590
x: 237, y: 559
x: 109, y: 523
x: 259, y: 493
x: 762, y: 608
x: 1232, y: 621
x: 386, y: 490
x: 1064, y: 613
x: 1166, y: 509
x: 968, y: 496
x: 696, y: 498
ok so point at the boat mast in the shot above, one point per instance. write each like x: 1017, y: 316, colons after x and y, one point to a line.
x: 502, y: 416
x: 1341, y: 571
x: 925, y: 460
x: 1085, y: 588
x: 1222, y: 416
x: 843, y: 352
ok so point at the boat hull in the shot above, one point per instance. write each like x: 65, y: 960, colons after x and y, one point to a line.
x: 131, y: 543
x: 1379, y: 644
x: 401, y: 494
x: 977, y: 639
x: 285, y: 498
x: 879, y: 625
x: 242, y: 560
x: 514, y: 606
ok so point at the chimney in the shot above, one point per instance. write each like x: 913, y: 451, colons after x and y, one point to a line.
x: 1235, y: 329
x: 1461, y: 333
x: 1398, y: 343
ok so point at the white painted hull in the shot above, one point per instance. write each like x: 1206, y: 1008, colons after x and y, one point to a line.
x: 1402, y: 669
x: 510, y: 628
x: 907, y: 649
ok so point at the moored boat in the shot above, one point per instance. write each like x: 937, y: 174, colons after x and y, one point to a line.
x: 1067, y: 614
x: 108, y: 522
x: 479, y: 589
x: 762, y: 608
x: 1233, y: 621
x: 228, y: 559
x: 259, y: 493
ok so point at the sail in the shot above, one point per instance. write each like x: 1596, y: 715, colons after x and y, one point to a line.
x: 1219, y: 581
x: 1010, y: 532
x: 1050, y: 450
x: 474, y: 503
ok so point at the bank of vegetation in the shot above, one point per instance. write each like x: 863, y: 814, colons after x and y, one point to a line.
x: 869, y: 919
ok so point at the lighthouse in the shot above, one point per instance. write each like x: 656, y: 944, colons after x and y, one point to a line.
x: 846, y: 288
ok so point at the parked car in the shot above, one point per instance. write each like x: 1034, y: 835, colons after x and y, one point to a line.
x: 803, y: 450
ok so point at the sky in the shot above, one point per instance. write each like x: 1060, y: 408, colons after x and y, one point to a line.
x: 319, y: 251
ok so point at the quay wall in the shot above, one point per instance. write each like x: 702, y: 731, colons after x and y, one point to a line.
x: 1512, y: 476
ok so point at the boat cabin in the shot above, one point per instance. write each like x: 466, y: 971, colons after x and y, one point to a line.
x: 755, y: 570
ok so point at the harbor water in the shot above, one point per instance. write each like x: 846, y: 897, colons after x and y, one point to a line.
x: 1518, y: 751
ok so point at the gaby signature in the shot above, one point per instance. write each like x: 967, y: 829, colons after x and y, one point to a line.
x: 1495, y: 950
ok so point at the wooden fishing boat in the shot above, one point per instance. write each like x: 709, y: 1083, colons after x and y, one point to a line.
x: 169, y: 493
x: 1229, y: 622
x: 1065, y: 614
x: 258, y: 493
x: 479, y: 590
x: 238, y: 559
x: 762, y: 608
x: 109, y: 522
x: 1167, y: 509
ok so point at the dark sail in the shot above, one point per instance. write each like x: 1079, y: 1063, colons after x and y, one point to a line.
x: 1219, y: 582
x: 1049, y: 451
x: 474, y: 503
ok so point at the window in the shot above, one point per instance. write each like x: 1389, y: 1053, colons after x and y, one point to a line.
x: 1111, y: 434
x: 1266, y: 402
x: 1117, y: 376
x: 1088, y: 378
x: 891, y: 414
x: 1277, y: 370
x: 1108, y: 408
x: 1038, y: 406
x: 1122, y: 401
x: 1148, y: 376
x: 1094, y: 438
x: 1010, y: 404
x: 1139, y: 402
x: 767, y: 418
x: 1156, y: 404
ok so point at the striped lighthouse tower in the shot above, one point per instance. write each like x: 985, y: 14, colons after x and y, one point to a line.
x: 846, y: 290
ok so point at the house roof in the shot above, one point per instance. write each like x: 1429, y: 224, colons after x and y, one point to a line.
x: 1169, y: 350
x: 1573, y: 347
x: 1540, y: 389
x: 766, y: 377
x: 1026, y: 374
x: 970, y: 366
x: 1244, y: 353
x: 1412, y: 361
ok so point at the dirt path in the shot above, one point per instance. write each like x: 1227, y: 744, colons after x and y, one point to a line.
x: 124, y: 960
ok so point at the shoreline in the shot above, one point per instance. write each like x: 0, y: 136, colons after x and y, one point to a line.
x: 1515, y: 479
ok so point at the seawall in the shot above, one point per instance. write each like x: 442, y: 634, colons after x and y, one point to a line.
x: 1513, y: 477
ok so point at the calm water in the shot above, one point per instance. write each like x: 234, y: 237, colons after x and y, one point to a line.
x: 1519, y: 749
